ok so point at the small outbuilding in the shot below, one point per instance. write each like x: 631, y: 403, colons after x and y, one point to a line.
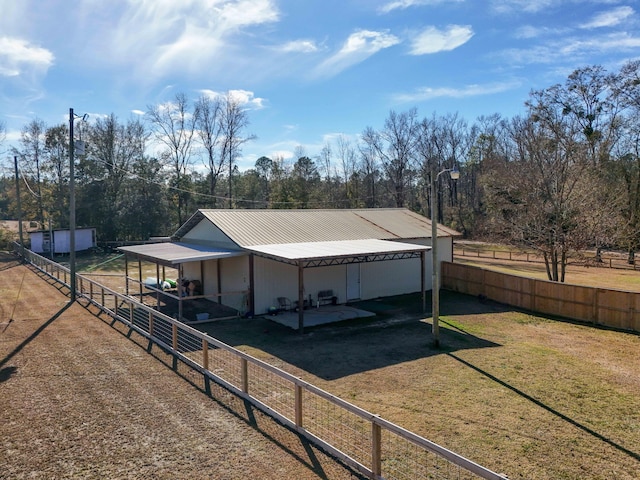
x: 260, y: 260
x: 58, y: 241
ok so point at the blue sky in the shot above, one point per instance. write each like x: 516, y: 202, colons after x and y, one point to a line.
x: 307, y: 70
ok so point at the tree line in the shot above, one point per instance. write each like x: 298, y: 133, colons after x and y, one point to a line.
x: 562, y: 177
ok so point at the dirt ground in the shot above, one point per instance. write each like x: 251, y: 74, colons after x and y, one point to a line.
x: 80, y: 399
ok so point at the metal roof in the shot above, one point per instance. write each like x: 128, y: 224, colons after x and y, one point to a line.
x: 338, y: 252
x: 176, y: 253
x: 268, y: 227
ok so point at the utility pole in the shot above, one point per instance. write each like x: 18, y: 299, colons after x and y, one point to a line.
x: 72, y: 210
x: 15, y: 163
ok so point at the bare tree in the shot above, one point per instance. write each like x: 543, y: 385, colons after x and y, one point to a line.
x: 233, y: 120
x: 369, y: 161
x: 626, y: 166
x: 32, y: 141
x: 587, y: 98
x: 346, y: 155
x: 56, y: 169
x: 538, y: 197
x: 394, y: 146
x: 113, y: 150
x: 209, y: 127
x: 174, y: 126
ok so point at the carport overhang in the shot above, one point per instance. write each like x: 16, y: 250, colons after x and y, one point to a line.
x: 173, y: 254
x: 302, y: 255
x: 319, y: 254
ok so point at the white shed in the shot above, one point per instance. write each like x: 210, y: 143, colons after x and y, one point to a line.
x: 45, y: 241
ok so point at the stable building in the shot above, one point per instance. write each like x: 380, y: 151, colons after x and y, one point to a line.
x: 259, y: 260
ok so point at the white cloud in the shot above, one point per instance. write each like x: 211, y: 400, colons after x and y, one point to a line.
x: 402, y: 4
x: 244, y: 98
x: 357, y: 48
x: 302, y: 46
x: 534, y: 6
x: 610, y: 18
x: 433, y: 40
x: 18, y: 56
x: 428, y: 93
x: 571, y: 49
x: 528, y: 6
x: 528, y: 31
x: 164, y: 36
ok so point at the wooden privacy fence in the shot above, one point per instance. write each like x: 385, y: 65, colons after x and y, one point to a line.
x: 369, y: 444
x: 600, y: 306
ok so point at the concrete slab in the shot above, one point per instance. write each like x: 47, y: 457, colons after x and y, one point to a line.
x: 320, y: 316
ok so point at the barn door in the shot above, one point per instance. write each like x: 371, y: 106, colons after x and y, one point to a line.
x: 353, y: 281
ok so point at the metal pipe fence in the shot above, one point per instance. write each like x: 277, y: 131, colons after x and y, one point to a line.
x: 366, y: 442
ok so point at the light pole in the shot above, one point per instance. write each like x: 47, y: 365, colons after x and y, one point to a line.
x: 72, y: 205
x: 435, y: 285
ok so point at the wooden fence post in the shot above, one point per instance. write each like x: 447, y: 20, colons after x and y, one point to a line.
x: 298, y: 404
x: 244, y: 366
x: 376, y: 449
x: 205, y: 354
x: 175, y: 335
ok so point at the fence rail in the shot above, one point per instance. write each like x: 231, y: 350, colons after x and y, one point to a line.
x: 606, y: 261
x: 600, y: 306
x: 366, y: 442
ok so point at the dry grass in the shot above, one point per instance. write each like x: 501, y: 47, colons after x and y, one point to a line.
x: 603, y: 277
x: 81, y: 400
x: 518, y: 393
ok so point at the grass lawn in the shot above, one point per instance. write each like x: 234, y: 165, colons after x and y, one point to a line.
x: 520, y: 394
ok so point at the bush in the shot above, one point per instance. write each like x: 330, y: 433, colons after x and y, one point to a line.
x: 6, y: 237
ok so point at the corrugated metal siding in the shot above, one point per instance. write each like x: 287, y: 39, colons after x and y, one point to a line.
x: 267, y: 227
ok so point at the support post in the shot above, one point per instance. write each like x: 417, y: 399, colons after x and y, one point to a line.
x: 298, y: 405
x: 72, y: 210
x: 435, y: 288
x: 15, y: 161
x: 140, y: 277
x: 376, y: 449
x: 245, y: 374
x: 252, y: 290
x: 205, y: 354
x: 300, y: 297
x: 126, y: 274
x: 174, y: 331
x: 423, y: 281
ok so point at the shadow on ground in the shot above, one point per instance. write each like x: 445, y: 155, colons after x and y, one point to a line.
x: 399, y: 333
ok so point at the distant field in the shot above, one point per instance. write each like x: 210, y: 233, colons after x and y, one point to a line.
x: 578, y: 274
